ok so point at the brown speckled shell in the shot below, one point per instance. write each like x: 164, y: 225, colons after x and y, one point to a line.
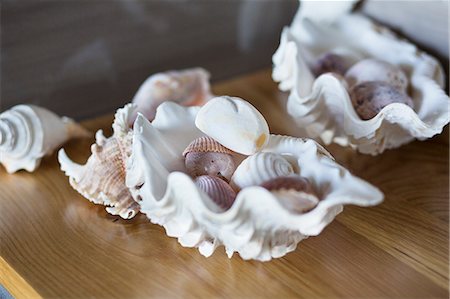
x: 329, y: 63
x: 217, y: 189
x: 206, y: 144
x: 369, y: 98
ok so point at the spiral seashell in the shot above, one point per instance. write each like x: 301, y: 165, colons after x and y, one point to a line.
x: 28, y: 133
x: 330, y: 63
x: 234, y: 123
x: 188, y: 87
x: 205, y: 156
x: 376, y: 70
x: 369, y: 98
x: 102, y: 179
x: 259, y: 168
x: 217, y: 189
x: 295, y: 193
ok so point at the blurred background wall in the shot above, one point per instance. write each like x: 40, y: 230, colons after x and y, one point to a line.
x: 85, y: 58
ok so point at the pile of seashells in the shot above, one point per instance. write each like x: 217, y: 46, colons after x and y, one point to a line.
x: 213, y: 166
x: 356, y: 83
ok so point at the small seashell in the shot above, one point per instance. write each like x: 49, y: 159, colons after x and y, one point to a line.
x: 295, y: 193
x: 28, y: 133
x: 205, y: 156
x: 102, y: 178
x: 259, y: 168
x: 234, y: 123
x: 220, y: 192
x: 376, y: 70
x: 369, y: 98
x: 188, y: 87
x: 330, y: 63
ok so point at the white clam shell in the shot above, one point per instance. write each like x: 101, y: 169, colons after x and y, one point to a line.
x: 257, y: 226
x: 187, y: 87
x: 102, y: 179
x: 322, y: 107
x: 234, y: 123
x: 259, y: 168
x: 28, y: 133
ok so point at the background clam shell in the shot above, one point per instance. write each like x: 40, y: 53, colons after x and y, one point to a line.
x: 259, y: 168
x: 321, y: 106
x: 257, y: 226
x: 28, y: 133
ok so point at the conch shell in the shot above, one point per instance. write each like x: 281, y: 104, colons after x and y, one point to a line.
x: 257, y: 225
x: 187, y: 87
x: 28, y: 133
x: 259, y: 168
x: 322, y: 108
x: 102, y: 178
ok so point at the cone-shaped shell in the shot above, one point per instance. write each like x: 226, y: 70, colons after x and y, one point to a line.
x: 294, y: 192
x: 102, y: 178
x: 28, y: 133
x: 206, y: 144
x: 259, y: 168
x: 217, y: 189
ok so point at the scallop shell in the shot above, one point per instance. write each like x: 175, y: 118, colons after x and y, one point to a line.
x: 187, y: 87
x: 205, y: 156
x: 218, y: 190
x: 369, y: 98
x: 28, y: 133
x: 294, y: 192
x: 259, y: 168
x: 376, y: 70
x: 102, y: 179
x: 256, y: 226
x: 322, y: 107
x: 234, y: 123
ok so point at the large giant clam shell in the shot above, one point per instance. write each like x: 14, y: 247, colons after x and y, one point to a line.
x: 257, y: 226
x: 322, y: 107
x: 102, y: 179
x: 28, y: 133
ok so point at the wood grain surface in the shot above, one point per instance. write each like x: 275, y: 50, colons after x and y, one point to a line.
x: 54, y: 243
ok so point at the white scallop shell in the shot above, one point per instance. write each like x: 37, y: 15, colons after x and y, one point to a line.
x: 259, y: 168
x: 102, y: 179
x: 257, y: 226
x: 187, y: 87
x: 28, y: 133
x: 322, y: 107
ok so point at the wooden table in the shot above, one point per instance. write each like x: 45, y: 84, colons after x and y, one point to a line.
x: 54, y: 243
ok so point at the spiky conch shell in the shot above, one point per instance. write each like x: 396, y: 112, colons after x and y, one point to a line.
x: 102, y: 178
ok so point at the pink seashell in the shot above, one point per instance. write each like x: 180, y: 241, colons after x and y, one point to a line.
x: 205, y: 156
x: 217, y: 189
x: 330, y: 63
x: 294, y: 192
x: 369, y: 98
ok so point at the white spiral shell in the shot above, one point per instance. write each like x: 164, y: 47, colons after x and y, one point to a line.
x: 260, y: 168
x: 28, y: 133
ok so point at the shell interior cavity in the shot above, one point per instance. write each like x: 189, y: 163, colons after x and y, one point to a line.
x: 258, y: 225
x: 102, y: 178
x: 28, y: 133
x: 322, y: 107
x: 234, y: 123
